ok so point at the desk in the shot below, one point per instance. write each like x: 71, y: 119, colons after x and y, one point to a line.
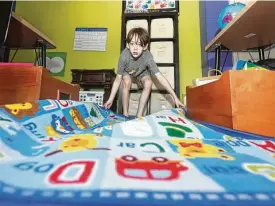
x: 23, y: 35
x: 27, y: 84
x: 253, y: 27
x: 241, y: 100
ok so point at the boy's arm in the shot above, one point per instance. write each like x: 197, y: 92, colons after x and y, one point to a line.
x: 115, y: 87
x: 116, y: 83
x: 164, y: 82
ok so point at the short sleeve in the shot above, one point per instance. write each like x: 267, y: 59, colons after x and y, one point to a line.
x: 122, y: 63
x: 151, y: 65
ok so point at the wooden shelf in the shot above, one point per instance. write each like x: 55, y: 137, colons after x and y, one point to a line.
x: 241, y: 100
x: 253, y: 27
x: 156, y: 39
x: 23, y: 35
x: 166, y: 64
x: 161, y: 39
x: 151, y: 14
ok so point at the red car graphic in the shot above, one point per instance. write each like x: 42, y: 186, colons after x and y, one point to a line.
x: 159, y: 168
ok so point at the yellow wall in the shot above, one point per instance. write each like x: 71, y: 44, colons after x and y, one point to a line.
x: 189, y: 43
x: 58, y: 21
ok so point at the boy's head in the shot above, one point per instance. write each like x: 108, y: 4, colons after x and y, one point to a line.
x: 137, y: 41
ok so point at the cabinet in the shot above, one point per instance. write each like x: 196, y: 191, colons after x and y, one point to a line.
x: 95, y: 79
x: 164, y: 46
x: 20, y: 84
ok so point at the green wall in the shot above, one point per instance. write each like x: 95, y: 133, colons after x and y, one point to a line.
x: 58, y: 21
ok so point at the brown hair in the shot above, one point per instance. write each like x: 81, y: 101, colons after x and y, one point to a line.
x: 141, y: 34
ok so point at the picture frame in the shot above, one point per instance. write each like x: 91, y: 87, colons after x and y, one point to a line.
x: 137, y: 6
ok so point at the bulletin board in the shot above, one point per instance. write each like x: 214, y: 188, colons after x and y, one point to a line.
x: 90, y: 39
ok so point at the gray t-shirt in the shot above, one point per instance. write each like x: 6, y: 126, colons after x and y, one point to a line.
x: 144, y: 65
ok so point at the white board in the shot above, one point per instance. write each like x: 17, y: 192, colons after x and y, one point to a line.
x: 90, y: 39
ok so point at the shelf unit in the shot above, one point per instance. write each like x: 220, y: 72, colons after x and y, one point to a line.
x: 149, y: 17
x: 251, y: 29
x: 237, y: 93
x: 23, y: 35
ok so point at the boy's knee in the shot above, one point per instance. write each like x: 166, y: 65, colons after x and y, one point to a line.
x: 127, y: 83
x: 148, y: 84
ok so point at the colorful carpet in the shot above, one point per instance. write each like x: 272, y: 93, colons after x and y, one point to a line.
x: 70, y: 153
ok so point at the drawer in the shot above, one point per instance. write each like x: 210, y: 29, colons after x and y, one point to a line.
x: 163, y: 52
x: 168, y: 73
x: 143, y: 23
x: 162, y: 28
x: 92, y: 78
x: 161, y: 102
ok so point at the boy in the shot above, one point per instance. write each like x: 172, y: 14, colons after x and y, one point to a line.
x: 136, y: 64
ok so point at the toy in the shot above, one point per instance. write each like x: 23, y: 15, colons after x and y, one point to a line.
x: 228, y: 13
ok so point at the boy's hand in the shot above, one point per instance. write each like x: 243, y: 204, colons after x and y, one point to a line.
x: 178, y: 103
x: 108, y: 104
